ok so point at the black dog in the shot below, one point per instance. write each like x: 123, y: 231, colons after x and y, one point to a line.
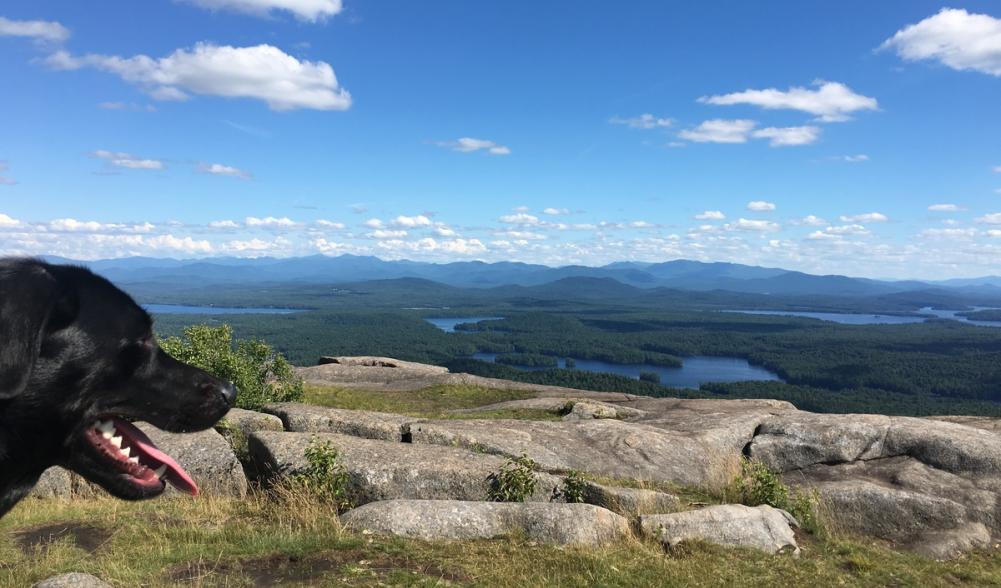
x: 78, y: 361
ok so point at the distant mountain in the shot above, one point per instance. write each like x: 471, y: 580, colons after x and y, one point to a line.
x: 676, y: 275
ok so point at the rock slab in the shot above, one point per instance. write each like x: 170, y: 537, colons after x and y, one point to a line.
x: 306, y: 418
x: 73, y: 580
x: 552, y: 523
x: 730, y: 525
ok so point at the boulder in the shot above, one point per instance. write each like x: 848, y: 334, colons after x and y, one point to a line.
x: 561, y: 405
x: 731, y: 525
x: 306, y: 418
x: 249, y: 421
x: 382, y: 470
x: 630, y: 501
x: 73, y: 580
x: 552, y: 523
x: 697, y: 455
x: 583, y: 409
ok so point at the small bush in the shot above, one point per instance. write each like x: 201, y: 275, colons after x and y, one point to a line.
x: 573, y: 488
x: 757, y: 484
x: 236, y: 437
x: 514, y: 482
x: 260, y: 373
x: 325, y: 479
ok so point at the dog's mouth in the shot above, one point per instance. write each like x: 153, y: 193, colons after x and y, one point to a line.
x: 131, y: 454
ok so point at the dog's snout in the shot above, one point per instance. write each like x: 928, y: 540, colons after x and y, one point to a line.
x: 228, y: 391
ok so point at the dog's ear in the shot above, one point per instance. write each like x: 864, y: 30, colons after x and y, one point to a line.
x: 29, y: 297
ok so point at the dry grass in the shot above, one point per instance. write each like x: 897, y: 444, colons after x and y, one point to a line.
x: 432, y: 402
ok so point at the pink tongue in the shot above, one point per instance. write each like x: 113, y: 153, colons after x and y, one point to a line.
x: 175, y: 474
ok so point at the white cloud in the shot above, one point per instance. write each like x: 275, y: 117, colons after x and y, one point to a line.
x: 788, y: 136
x: 642, y: 224
x: 847, y: 230
x: 470, y: 145
x: 374, y: 223
x: 720, y: 131
x: 329, y: 224
x: 183, y: 244
x: 411, y: 222
x: 127, y: 161
x: 556, y: 211
x: 39, y: 30
x: 429, y: 245
x: 644, y: 121
x: 224, y: 224
x: 990, y: 219
x: 249, y: 245
x: 387, y: 234
x: 945, y: 208
x: 868, y: 217
x: 7, y: 222
x: 72, y: 225
x: 830, y: 102
x: 126, y: 106
x: 324, y: 246
x: 523, y: 235
x: 949, y: 233
x: 710, y: 215
x: 308, y: 10
x: 811, y: 221
x: 443, y: 231
x: 262, y: 72
x: 994, y: 233
x: 861, y: 157
x: 218, y: 169
x: 760, y: 206
x: 744, y: 224
x: 269, y: 222
x: 519, y: 218
x: 954, y: 37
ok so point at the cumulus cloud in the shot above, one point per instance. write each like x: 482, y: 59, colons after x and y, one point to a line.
x: 6, y: 222
x: 760, y: 206
x: 556, y: 211
x: 470, y: 145
x: 387, y: 234
x: 224, y: 224
x: 788, y: 136
x: 412, y: 222
x: 325, y: 224
x: 72, y: 225
x: 374, y: 223
x: 744, y: 224
x: 710, y: 215
x: 218, y: 169
x: 307, y: 10
x: 990, y: 219
x: 644, y: 121
x: 269, y: 222
x: 720, y: 131
x: 261, y: 72
x: 829, y: 102
x: 811, y: 221
x: 949, y: 233
x: 127, y: 161
x: 955, y: 38
x: 38, y: 30
x: 868, y: 217
x: 519, y: 218
x: 945, y: 208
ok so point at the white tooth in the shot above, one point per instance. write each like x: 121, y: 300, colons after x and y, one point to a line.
x: 106, y: 435
x: 134, y: 460
x: 126, y: 451
x: 117, y: 442
x: 105, y: 426
x: 160, y: 471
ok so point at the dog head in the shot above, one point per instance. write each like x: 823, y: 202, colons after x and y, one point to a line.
x: 78, y: 363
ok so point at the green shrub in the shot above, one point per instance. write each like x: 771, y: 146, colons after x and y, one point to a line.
x: 572, y: 489
x: 260, y: 373
x: 325, y: 479
x: 236, y: 437
x: 757, y: 484
x: 514, y: 482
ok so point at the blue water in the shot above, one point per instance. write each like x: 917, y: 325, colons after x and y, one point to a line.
x: 448, y: 324
x: 876, y: 319
x: 694, y: 370
x: 843, y: 318
x: 186, y: 309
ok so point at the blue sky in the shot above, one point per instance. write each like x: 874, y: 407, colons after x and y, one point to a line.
x: 860, y: 138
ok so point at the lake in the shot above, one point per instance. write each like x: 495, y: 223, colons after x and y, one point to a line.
x: 876, y: 319
x: 694, y: 371
x: 448, y: 324
x: 188, y: 309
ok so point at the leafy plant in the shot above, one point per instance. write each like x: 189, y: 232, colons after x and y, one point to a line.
x: 757, y: 484
x: 236, y: 437
x: 514, y: 482
x: 325, y: 479
x: 573, y: 488
x: 260, y: 373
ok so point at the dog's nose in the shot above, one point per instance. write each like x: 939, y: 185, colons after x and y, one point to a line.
x: 228, y: 391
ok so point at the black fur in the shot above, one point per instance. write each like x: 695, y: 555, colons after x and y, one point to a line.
x: 75, y: 349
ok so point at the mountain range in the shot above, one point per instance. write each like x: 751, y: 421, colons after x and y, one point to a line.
x: 676, y: 274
